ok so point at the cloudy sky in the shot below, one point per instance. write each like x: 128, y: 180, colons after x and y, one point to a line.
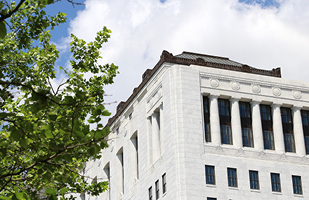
x: 261, y: 33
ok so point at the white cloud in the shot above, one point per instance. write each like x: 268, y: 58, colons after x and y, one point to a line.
x: 141, y: 29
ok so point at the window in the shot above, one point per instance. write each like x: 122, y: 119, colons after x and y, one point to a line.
x: 225, y: 121
x: 210, y: 175
x: 254, y: 180
x: 150, y: 193
x: 246, y: 124
x: 206, y: 119
x: 232, y: 177
x: 275, y: 182
x: 287, y: 124
x: 305, y: 119
x: 107, y: 175
x: 297, y: 189
x: 157, y: 189
x: 267, y: 127
x: 211, y: 198
x: 164, y: 183
x: 134, y: 157
x: 120, y: 170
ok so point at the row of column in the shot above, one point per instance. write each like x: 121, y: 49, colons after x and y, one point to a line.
x: 257, y: 125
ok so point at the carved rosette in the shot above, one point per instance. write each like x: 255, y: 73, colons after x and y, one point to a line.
x: 276, y: 91
x: 256, y: 89
x: 214, y: 83
x: 235, y: 85
x: 297, y: 94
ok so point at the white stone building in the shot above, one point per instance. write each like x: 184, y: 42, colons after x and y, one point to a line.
x: 203, y: 127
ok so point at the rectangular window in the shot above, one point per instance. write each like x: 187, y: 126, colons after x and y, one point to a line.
x: 157, y: 189
x: 225, y: 121
x: 232, y: 177
x: 267, y: 127
x: 254, y: 180
x: 275, y: 182
x: 134, y: 158
x: 305, y: 119
x: 206, y: 119
x: 287, y: 125
x: 211, y: 198
x: 164, y: 183
x: 210, y: 175
x: 150, y: 193
x: 246, y: 124
x: 297, y: 188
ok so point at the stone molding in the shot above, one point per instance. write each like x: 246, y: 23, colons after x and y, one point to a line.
x: 256, y: 155
x: 262, y: 88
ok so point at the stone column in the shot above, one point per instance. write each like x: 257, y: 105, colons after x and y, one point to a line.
x: 298, y: 132
x: 155, y: 136
x: 257, y: 125
x: 277, y: 127
x: 214, y: 120
x: 236, y: 124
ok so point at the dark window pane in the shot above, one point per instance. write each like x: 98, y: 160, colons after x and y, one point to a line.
x: 206, y: 119
x: 275, y: 182
x: 157, y: 189
x: 164, y: 183
x: 150, y: 193
x: 210, y: 174
x: 254, y: 180
x: 232, y: 177
x: 297, y: 188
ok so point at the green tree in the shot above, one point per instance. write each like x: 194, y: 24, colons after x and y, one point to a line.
x: 45, y: 132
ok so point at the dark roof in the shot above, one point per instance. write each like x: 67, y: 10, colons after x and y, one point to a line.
x: 189, y: 58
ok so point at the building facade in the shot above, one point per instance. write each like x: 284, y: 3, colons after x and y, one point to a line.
x: 202, y: 127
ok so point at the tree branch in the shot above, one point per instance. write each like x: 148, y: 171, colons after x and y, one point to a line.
x: 3, y: 17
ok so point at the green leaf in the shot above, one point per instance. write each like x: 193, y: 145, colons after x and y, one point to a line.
x: 64, y: 190
x: 19, y: 196
x: 52, y: 117
x: 2, y: 30
x: 23, y: 143
x: 48, y: 133
x: 50, y: 1
x: 4, y: 198
x: 15, y: 134
x: 50, y: 191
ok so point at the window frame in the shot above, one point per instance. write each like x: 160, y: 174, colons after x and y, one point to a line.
x: 297, y: 187
x: 305, y: 123
x: 287, y: 127
x: 150, y: 193
x: 232, y: 180
x: 224, y: 109
x: 211, y: 176
x: 206, y: 112
x: 164, y: 189
x: 254, y: 182
x: 157, y: 187
x: 273, y: 183
x: 267, y: 127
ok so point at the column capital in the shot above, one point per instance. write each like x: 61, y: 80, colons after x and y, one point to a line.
x: 233, y: 99
x: 255, y: 102
x: 296, y: 108
x: 213, y: 96
x: 275, y: 105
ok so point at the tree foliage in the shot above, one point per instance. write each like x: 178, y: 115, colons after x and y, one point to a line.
x: 45, y: 132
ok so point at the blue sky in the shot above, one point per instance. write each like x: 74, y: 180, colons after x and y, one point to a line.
x: 261, y: 33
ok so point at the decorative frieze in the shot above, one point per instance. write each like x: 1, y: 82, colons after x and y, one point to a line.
x: 256, y: 155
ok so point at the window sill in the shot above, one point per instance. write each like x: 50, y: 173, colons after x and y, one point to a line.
x: 233, y: 188
x: 299, y: 195
x: 211, y: 185
x: 255, y: 190
x: 277, y: 193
